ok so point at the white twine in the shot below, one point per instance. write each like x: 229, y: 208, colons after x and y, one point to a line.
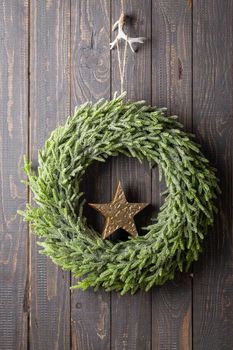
x: 121, y: 35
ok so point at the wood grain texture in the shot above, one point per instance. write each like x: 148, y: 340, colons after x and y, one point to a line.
x: 212, y: 106
x: 49, y: 106
x: 137, y: 82
x: 131, y: 315
x: 185, y: 64
x: 90, y: 61
x: 172, y: 88
x: 13, y: 194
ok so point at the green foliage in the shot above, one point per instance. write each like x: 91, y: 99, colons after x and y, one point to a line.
x: 96, y: 132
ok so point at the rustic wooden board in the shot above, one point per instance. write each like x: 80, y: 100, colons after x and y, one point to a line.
x: 90, y: 61
x: 186, y: 65
x: 13, y: 144
x: 172, y: 88
x: 49, y: 105
x: 212, y: 108
x: 131, y: 315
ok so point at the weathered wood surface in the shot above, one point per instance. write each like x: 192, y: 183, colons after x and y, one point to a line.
x: 186, y: 64
x: 49, y: 106
x: 213, y: 125
x: 172, y: 88
x: 13, y: 194
x: 136, y: 179
x: 90, y: 78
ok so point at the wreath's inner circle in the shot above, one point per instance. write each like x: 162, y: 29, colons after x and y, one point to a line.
x: 99, y: 183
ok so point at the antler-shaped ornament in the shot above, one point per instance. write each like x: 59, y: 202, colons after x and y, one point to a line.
x: 122, y: 35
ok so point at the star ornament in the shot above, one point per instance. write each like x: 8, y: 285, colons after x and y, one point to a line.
x: 119, y: 213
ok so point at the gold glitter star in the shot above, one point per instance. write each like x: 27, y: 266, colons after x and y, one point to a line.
x: 119, y: 213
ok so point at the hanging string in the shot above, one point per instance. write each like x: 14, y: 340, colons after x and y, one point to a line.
x: 122, y: 64
x: 121, y: 35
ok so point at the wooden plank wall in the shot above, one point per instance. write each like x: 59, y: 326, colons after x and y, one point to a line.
x: 135, y: 178
x: 49, y: 102
x: 54, y: 54
x: 212, y: 123
x: 172, y: 87
x: 90, y: 80
x: 13, y: 194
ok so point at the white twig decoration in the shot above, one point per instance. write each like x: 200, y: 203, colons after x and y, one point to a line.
x: 121, y: 34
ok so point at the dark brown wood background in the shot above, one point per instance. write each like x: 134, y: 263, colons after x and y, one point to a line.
x: 54, y: 54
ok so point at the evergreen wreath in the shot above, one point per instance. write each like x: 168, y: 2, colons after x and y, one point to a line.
x: 172, y: 241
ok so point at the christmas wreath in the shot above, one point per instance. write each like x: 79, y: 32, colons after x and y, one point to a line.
x: 171, y: 242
